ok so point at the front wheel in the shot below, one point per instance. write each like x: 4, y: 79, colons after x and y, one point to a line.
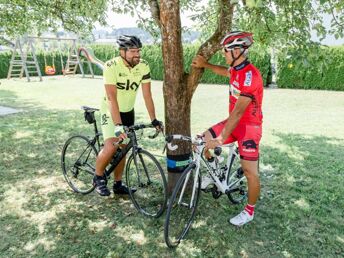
x: 145, y: 175
x: 78, y: 159
x: 182, y: 206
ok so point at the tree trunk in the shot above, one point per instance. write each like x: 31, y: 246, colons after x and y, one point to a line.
x: 178, y: 86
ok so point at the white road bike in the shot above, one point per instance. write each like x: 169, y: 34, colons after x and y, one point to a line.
x: 228, y: 179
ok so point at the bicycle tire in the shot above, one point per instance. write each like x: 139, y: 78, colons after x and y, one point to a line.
x: 176, y: 209
x: 77, y: 161
x: 148, y: 178
x: 238, y: 194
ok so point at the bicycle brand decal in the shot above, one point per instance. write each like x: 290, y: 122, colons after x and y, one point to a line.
x: 104, y: 119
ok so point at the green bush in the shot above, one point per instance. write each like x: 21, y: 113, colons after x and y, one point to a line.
x: 317, y: 69
x: 5, y: 58
x: 153, y: 55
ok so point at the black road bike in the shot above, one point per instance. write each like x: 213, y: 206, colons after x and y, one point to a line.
x: 143, y: 172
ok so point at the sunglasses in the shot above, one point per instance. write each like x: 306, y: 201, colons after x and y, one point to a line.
x: 228, y: 49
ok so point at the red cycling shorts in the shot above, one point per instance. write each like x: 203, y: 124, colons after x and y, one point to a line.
x: 247, y: 135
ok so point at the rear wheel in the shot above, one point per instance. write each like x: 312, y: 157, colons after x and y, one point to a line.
x: 78, y: 159
x: 182, y: 207
x: 238, y: 192
x: 145, y: 174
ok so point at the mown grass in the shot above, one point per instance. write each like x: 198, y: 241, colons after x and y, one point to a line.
x: 300, y: 212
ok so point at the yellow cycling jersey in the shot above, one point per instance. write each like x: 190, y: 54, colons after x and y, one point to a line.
x: 127, y: 81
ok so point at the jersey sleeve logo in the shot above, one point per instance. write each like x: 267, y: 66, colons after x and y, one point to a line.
x: 146, y: 76
x: 248, y: 79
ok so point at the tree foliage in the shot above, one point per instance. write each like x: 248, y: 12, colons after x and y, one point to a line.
x: 19, y: 17
x: 274, y: 22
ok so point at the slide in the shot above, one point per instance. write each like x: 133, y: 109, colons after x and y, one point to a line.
x: 89, y: 54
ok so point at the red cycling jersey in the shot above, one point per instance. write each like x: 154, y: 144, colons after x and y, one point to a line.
x: 245, y: 80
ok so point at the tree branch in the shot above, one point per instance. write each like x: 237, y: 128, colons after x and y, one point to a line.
x: 334, y: 16
x: 155, y: 10
x: 212, y: 45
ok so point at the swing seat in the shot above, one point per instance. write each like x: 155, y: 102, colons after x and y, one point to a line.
x: 49, y: 70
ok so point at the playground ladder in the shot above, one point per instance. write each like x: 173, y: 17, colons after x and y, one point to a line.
x: 24, y: 62
x: 73, y: 62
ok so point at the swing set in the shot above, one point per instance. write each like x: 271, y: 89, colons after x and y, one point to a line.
x: 24, y: 60
x: 73, y: 62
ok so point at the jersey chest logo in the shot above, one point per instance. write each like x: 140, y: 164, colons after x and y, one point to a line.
x: 235, y: 92
x: 127, y: 86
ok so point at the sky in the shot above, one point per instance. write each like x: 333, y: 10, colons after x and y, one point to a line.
x: 124, y: 21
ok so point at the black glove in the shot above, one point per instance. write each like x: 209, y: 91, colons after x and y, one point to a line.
x: 156, y: 123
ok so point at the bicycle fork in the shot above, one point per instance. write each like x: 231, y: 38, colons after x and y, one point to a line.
x: 193, y: 165
x: 138, y: 170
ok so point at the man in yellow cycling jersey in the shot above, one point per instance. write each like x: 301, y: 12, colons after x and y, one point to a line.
x: 122, y: 77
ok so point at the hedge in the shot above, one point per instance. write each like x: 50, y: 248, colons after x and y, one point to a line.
x: 152, y: 54
x: 320, y: 69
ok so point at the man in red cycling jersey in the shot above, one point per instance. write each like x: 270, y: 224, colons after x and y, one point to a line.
x: 244, y: 123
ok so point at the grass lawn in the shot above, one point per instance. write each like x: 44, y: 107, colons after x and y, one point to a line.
x: 300, y: 212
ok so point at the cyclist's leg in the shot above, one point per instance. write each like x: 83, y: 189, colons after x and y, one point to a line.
x: 108, y: 130
x: 249, y: 155
x: 248, y: 140
x: 128, y: 119
x: 250, y: 169
x: 118, y: 171
x: 106, y: 154
x: 103, y: 159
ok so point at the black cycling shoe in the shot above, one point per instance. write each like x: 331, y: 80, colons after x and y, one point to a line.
x: 100, y: 184
x: 122, y: 189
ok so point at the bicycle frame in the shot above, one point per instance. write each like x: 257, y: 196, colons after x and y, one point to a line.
x: 199, y: 159
x: 119, y: 155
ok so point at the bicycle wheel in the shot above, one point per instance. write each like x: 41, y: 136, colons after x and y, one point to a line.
x: 78, y: 159
x: 182, y: 207
x: 148, y: 178
x: 238, y: 192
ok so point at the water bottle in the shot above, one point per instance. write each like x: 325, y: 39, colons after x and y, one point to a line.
x: 212, y: 163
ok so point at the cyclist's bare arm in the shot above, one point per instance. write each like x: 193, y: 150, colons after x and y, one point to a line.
x: 111, y: 93
x: 235, y: 116
x: 200, y: 62
x: 147, y: 96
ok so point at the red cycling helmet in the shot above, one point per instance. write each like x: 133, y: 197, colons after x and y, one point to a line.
x: 240, y: 39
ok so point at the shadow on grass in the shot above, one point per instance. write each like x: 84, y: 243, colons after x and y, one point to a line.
x: 300, y: 212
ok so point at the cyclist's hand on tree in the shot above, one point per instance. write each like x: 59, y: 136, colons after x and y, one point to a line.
x: 158, y: 124
x: 199, y: 62
x: 120, y: 132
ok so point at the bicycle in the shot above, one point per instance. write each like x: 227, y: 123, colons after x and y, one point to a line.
x: 228, y: 179
x: 143, y: 172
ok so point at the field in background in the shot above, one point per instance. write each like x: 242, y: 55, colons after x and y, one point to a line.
x: 300, y: 213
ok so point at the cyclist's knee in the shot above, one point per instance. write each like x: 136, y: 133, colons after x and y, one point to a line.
x: 109, y: 146
x: 250, y: 168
